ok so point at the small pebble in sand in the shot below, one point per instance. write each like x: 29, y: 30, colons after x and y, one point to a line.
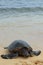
x: 38, y: 63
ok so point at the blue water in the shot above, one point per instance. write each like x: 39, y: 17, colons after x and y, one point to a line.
x: 20, y: 3
x: 20, y: 8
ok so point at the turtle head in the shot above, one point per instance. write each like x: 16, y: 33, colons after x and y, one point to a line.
x: 37, y: 52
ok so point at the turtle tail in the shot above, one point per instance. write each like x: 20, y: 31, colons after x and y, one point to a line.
x: 37, y: 52
x: 5, y: 47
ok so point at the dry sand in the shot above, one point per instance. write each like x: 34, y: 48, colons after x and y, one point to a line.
x: 36, y: 60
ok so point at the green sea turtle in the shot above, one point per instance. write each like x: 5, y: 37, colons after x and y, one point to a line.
x: 20, y: 48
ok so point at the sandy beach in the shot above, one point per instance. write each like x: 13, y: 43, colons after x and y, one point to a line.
x: 36, y: 60
x: 32, y: 33
x: 21, y: 20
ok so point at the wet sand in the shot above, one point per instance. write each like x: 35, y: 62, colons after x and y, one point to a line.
x: 30, y: 32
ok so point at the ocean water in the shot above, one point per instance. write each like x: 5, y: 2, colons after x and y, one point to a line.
x: 21, y: 19
x: 11, y: 10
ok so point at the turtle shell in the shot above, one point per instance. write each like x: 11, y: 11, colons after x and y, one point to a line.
x: 18, y: 44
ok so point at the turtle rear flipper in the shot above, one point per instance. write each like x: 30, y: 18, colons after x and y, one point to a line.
x: 36, y: 52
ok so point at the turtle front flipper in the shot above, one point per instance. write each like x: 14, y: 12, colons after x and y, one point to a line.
x: 9, y: 56
x: 36, y: 52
